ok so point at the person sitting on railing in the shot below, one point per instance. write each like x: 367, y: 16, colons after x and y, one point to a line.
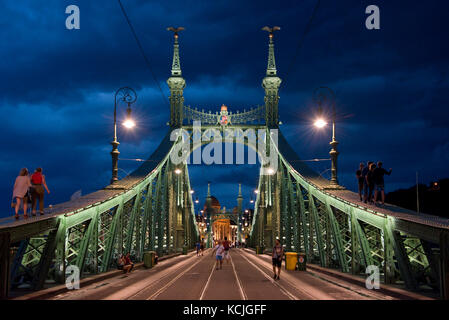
x: 128, y: 262
x: 121, y: 264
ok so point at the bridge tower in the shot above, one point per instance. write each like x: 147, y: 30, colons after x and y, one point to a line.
x: 209, y: 215
x: 176, y: 83
x: 239, y: 212
x: 271, y: 83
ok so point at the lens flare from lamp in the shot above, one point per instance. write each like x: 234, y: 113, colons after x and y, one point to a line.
x: 320, y: 123
x: 129, y: 123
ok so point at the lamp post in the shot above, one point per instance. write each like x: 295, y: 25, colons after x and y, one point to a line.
x: 319, y: 95
x: 129, y: 96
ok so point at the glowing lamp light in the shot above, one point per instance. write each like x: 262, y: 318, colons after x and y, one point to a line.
x: 178, y: 171
x: 320, y: 123
x: 270, y: 171
x: 256, y: 191
x: 129, y: 123
x: 192, y: 191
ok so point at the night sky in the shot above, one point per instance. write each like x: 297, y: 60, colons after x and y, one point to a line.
x: 57, y: 85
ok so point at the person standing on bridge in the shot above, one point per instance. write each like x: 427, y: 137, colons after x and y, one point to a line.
x: 370, y: 182
x: 38, y: 182
x: 202, y: 247
x: 360, y: 179
x: 198, y: 248
x: 379, y: 183
x: 226, y: 245
x: 218, y: 250
x: 365, y: 171
x: 277, y: 255
x: 20, y: 192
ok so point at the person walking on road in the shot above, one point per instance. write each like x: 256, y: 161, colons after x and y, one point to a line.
x: 277, y: 255
x: 226, y: 246
x: 198, y: 248
x: 38, y: 184
x: 379, y: 184
x: 202, y: 248
x: 218, y: 250
x: 20, y: 192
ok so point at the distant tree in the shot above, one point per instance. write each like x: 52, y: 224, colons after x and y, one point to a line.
x: 431, y: 198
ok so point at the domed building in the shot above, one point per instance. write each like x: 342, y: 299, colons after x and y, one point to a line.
x: 223, y: 223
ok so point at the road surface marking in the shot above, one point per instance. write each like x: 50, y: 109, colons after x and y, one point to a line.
x: 157, y: 293
x: 242, y: 293
x: 207, y: 283
x: 285, y: 291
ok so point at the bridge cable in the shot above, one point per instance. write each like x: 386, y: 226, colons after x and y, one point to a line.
x: 301, y: 40
x: 143, y: 52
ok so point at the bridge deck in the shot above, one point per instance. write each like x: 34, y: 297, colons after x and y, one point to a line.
x: 246, y: 276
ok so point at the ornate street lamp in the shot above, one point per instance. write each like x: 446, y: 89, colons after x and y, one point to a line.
x: 320, y: 122
x: 128, y: 96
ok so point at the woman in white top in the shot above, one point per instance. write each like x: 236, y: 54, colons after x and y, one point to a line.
x: 21, y: 187
x: 219, y: 249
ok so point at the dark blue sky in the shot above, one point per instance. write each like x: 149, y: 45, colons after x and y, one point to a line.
x: 57, y: 85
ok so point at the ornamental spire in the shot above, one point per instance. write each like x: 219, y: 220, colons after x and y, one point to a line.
x: 240, y: 190
x: 271, y: 68
x: 176, y: 65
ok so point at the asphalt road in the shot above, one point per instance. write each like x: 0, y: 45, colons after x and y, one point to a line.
x: 244, y: 277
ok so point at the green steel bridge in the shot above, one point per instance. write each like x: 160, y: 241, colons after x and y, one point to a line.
x: 152, y: 209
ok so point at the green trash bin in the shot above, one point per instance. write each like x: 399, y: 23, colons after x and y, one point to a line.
x: 148, y: 259
x: 302, y: 261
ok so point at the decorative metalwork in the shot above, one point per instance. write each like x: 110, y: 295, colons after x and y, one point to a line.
x: 252, y: 116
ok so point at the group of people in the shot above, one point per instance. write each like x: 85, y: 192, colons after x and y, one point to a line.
x: 221, y: 251
x: 199, y: 248
x: 124, y: 263
x: 371, y: 179
x: 29, y: 189
x: 222, y: 248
